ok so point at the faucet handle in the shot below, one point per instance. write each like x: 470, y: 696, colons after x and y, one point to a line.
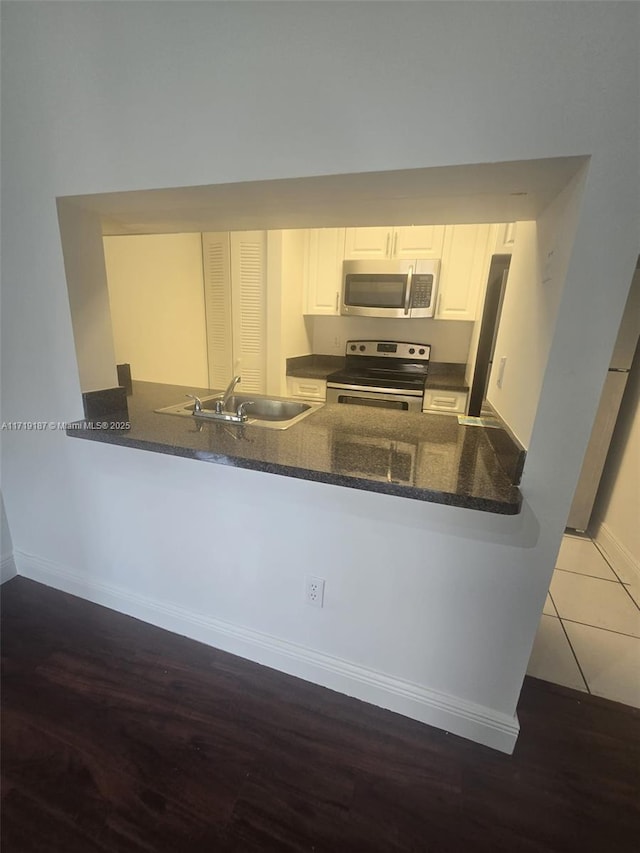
x: 241, y: 410
x: 197, y: 406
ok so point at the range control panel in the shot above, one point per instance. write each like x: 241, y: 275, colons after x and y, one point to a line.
x: 389, y: 349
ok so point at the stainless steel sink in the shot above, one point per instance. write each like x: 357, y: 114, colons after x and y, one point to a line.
x: 268, y: 409
x: 268, y: 412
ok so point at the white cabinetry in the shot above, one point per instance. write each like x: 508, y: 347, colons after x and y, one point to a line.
x: 448, y: 402
x: 505, y: 238
x: 411, y: 242
x: 464, y: 249
x: 464, y: 266
x: 324, y: 252
x: 418, y: 241
x: 236, y: 316
x: 306, y: 389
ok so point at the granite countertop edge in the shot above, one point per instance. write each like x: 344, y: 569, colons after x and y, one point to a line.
x: 421, y: 448
x: 121, y: 439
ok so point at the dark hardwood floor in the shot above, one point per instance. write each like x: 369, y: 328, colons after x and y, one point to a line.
x: 117, y: 736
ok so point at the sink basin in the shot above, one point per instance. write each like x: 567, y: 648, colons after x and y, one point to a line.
x: 266, y: 408
x: 269, y: 412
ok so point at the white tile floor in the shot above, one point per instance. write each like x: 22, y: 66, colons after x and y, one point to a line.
x: 589, y: 633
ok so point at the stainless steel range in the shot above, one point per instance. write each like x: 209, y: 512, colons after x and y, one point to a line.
x: 387, y: 374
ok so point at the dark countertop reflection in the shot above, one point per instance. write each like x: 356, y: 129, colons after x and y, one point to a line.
x: 419, y: 456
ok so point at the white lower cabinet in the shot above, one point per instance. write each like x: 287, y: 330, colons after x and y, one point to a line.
x: 447, y: 402
x: 306, y: 389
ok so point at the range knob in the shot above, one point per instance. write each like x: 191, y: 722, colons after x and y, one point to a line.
x: 421, y: 351
x: 362, y: 347
x: 411, y: 350
x: 352, y: 347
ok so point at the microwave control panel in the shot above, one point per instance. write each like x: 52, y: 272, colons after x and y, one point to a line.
x: 421, y: 291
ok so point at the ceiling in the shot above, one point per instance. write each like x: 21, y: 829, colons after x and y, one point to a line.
x: 486, y: 192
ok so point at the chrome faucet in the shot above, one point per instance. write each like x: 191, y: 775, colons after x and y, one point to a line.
x: 197, y: 403
x: 221, y: 401
x: 221, y: 404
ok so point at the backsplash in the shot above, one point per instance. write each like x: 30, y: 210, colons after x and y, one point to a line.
x: 449, y: 340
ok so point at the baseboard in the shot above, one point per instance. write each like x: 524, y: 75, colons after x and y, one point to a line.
x: 7, y: 568
x: 475, y: 722
x: 621, y: 559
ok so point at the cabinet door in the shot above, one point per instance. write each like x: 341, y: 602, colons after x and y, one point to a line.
x: 464, y: 263
x: 324, y: 252
x: 449, y: 402
x: 306, y: 389
x: 363, y: 243
x: 505, y: 238
x: 249, y: 309
x: 418, y: 241
x: 216, y: 263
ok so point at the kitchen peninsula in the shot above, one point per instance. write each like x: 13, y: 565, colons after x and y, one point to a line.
x: 412, y: 455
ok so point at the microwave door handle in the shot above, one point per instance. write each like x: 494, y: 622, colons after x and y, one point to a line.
x: 407, y: 296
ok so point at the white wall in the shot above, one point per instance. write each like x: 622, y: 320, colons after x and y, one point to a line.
x: 156, y: 294
x: 527, y: 324
x: 294, y: 338
x: 617, y: 507
x: 449, y: 339
x: 287, y: 333
x: 101, y: 97
x: 81, y: 233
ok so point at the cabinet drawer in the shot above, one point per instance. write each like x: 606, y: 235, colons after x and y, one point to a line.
x: 454, y: 402
x: 307, y: 389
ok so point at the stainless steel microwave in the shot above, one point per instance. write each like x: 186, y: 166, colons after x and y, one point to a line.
x: 405, y: 289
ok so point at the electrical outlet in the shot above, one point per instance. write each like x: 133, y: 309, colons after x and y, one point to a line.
x: 314, y: 592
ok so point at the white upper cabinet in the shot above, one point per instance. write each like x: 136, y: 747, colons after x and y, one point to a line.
x: 505, y: 238
x: 465, y: 260
x: 418, y: 241
x: 323, y: 256
x: 363, y: 243
x: 411, y: 242
x: 465, y: 251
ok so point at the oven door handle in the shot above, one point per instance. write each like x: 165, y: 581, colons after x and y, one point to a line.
x: 407, y: 296
x: 370, y: 390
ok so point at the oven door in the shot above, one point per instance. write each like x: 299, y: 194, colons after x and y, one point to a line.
x: 382, y: 398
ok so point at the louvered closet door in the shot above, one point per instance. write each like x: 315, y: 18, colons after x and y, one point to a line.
x: 216, y: 261
x: 249, y: 309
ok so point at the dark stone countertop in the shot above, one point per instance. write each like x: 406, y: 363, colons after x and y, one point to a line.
x: 412, y: 455
x: 443, y: 375
x: 314, y: 366
x: 446, y: 376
